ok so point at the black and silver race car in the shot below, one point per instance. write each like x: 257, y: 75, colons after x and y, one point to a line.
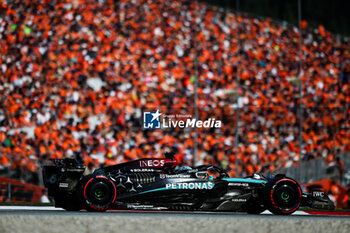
x: 159, y: 184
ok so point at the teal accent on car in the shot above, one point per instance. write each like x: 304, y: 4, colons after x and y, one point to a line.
x: 230, y: 180
x: 245, y: 180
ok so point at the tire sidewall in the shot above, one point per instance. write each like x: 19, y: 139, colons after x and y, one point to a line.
x: 89, y: 202
x: 270, y: 199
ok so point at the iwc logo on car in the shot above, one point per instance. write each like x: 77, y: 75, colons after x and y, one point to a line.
x: 152, y: 120
x: 190, y: 186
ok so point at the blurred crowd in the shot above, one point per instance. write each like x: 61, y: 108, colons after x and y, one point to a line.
x: 76, y: 75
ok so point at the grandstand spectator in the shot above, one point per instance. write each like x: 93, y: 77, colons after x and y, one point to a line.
x: 339, y: 164
x: 76, y: 76
x: 346, y: 72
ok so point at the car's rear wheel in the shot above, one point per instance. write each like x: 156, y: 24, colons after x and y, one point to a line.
x: 283, y: 196
x: 98, y: 193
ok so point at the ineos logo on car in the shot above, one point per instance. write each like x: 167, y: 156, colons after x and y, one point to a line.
x: 152, y: 163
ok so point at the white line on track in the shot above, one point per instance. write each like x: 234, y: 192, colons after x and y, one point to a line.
x: 298, y: 212
x: 29, y: 208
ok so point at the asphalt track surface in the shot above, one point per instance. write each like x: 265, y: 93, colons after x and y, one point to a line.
x: 48, y: 219
x: 52, y: 211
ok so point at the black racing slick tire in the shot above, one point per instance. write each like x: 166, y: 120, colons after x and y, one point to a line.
x: 98, y: 193
x: 282, y: 196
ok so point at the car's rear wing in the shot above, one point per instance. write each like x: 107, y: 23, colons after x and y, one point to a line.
x: 62, y: 175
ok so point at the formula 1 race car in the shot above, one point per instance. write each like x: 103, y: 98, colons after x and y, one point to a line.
x: 159, y: 184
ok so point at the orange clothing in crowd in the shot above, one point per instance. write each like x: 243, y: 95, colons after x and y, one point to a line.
x: 76, y: 76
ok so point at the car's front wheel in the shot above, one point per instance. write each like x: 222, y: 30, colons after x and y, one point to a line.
x: 283, y: 195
